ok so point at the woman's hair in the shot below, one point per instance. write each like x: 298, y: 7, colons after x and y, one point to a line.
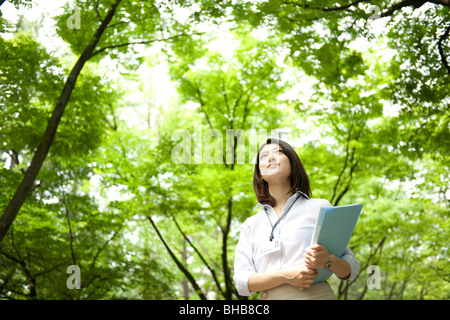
x: 299, y: 178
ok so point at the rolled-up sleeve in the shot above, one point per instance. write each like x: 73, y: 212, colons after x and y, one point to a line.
x: 243, y: 262
x: 354, y: 264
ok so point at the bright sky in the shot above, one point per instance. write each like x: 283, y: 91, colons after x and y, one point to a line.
x: 162, y: 89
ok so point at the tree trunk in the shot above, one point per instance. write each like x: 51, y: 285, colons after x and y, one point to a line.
x: 178, y: 263
x: 184, y: 282
x: 226, y: 269
x: 29, y: 178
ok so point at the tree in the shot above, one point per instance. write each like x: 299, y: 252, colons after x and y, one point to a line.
x: 88, y: 46
x: 151, y: 195
x: 31, y: 173
x: 231, y: 93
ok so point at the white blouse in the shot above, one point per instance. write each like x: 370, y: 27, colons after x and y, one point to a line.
x: 293, y: 235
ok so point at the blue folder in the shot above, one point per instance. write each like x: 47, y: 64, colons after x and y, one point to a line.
x: 333, y: 230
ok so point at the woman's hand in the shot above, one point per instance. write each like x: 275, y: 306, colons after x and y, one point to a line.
x: 300, y: 276
x: 316, y: 257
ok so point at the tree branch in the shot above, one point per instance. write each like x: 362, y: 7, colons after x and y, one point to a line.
x: 26, y: 271
x: 363, y: 268
x: 441, y: 50
x: 352, y: 168
x: 244, y: 117
x: 178, y: 263
x: 400, y: 5
x: 226, y: 269
x: 66, y: 210
x: 202, y: 107
x: 340, y: 8
x: 345, y: 7
x: 225, y: 97
x: 445, y: 3
x: 22, y: 192
x: 88, y: 282
x: 213, y: 273
x: 103, y: 247
x: 142, y: 42
x: 395, y: 7
x: 345, y: 164
x: 48, y: 270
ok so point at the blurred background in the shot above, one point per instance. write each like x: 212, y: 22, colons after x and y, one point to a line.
x: 92, y: 92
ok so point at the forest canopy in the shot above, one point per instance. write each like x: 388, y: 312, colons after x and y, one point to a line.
x: 128, y: 131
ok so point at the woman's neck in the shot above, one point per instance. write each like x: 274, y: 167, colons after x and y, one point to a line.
x: 281, y: 192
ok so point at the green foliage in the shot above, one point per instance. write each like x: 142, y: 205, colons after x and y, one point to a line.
x: 367, y: 128
x: 28, y: 75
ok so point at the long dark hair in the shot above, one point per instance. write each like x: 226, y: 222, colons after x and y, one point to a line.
x: 299, y: 178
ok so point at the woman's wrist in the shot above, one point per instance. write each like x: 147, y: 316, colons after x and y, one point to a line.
x: 284, y: 276
x: 340, y: 267
x: 329, y: 261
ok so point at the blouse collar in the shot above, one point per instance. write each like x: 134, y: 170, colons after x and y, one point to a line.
x: 299, y: 192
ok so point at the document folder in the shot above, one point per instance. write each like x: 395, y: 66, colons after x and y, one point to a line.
x: 333, y: 230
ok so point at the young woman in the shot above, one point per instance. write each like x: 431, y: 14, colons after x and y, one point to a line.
x: 273, y: 255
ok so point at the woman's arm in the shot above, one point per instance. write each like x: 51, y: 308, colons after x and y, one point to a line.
x: 317, y: 257
x: 340, y: 267
x: 297, y: 276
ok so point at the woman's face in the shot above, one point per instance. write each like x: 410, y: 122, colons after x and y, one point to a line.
x: 274, y: 165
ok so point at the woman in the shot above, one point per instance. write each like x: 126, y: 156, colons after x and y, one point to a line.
x: 273, y: 254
